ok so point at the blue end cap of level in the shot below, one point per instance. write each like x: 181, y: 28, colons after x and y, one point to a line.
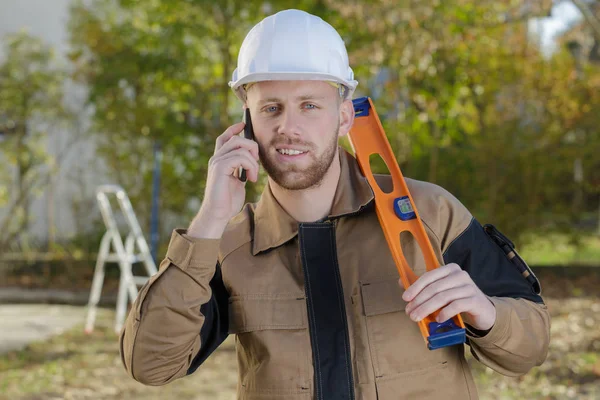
x: 445, y: 334
x: 404, y: 209
x: 361, y: 106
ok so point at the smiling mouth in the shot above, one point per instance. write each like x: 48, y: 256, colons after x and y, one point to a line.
x: 290, y: 152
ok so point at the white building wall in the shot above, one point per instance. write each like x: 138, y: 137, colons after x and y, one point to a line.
x: 80, y: 171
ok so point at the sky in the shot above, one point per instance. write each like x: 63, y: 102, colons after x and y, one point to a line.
x: 44, y: 18
x: 563, y: 15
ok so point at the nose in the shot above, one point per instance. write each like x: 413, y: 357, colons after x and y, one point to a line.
x: 289, y: 123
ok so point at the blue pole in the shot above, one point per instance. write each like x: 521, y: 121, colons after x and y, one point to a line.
x: 154, y: 234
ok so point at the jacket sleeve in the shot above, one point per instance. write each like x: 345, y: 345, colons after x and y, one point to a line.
x: 180, y: 315
x: 520, y: 337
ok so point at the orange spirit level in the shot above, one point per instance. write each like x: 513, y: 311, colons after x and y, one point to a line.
x: 397, y: 213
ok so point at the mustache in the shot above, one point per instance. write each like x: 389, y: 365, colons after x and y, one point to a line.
x: 289, y: 142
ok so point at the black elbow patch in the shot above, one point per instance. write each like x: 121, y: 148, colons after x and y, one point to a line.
x: 216, y: 321
x: 509, y: 250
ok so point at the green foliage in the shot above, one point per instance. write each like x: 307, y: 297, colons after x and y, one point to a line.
x: 467, y: 99
x: 158, y: 70
x: 469, y: 102
x: 560, y: 249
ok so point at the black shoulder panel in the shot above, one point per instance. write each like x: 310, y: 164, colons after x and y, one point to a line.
x: 481, y: 255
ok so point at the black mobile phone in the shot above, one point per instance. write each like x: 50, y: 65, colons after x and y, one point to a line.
x: 248, y: 134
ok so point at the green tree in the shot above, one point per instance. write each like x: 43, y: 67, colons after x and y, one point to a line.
x: 470, y: 102
x: 158, y: 70
x: 467, y: 98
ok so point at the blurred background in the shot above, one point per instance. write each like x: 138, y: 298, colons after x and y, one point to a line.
x: 498, y: 101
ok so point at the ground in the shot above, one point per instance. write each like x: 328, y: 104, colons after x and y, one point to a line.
x: 78, y: 366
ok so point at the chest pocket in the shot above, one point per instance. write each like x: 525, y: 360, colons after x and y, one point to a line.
x: 273, y: 345
x: 395, y: 341
x: 402, y: 364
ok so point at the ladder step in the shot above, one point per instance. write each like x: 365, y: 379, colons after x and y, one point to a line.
x: 112, y: 240
x: 113, y: 257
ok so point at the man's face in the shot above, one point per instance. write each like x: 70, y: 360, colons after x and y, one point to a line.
x: 297, y: 125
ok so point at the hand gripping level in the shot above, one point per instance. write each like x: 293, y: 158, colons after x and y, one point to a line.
x: 396, y: 213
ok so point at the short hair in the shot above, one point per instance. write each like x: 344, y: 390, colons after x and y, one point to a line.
x: 342, y: 89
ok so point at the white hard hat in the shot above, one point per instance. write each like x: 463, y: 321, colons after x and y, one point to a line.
x: 292, y: 45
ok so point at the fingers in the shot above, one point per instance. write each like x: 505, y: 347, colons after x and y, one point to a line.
x: 441, y: 300
x: 452, y: 280
x: 428, y: 278
x: 455, y: 308
x: 228, y: 163
x: 237, y: 142
x: 233, y: 151
x: 451, y: 291
x: 228, y: 134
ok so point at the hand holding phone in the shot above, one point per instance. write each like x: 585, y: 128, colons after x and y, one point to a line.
x: 224, y: 194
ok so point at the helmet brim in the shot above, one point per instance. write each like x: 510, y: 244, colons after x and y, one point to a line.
x: 238, y: 86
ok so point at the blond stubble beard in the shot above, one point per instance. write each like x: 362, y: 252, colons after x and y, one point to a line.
x: 293, y: 178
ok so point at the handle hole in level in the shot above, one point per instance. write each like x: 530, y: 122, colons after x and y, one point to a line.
x: 379, y: 166
x: 412, y: 252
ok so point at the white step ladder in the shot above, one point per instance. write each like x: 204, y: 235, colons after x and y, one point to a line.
x: 124, y: 255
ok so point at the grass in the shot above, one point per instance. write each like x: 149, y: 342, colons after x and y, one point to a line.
x: 572, y: 368
x: 559, y: 249
x: 78, y: 366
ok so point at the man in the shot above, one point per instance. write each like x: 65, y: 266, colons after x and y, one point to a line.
x: 305, y: 278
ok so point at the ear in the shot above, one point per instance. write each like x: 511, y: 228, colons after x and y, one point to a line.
x: 346, y: 117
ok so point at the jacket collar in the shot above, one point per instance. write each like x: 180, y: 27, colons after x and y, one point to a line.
x: 273, y: 226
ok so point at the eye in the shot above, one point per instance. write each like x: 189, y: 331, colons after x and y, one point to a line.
x: 310, y: 106
x: 271, y: 109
